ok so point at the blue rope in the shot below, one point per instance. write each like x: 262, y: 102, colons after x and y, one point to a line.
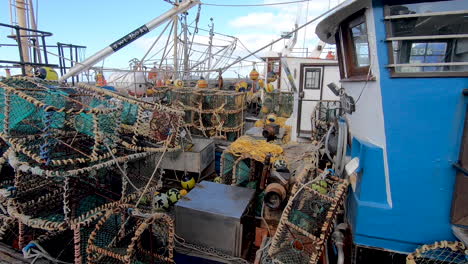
x: 46, y: 133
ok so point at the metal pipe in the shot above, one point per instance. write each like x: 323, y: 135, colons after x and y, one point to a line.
x: 176, y: 38
x: 129, y: 38
x: 21, y: 15
x: 338, y: 240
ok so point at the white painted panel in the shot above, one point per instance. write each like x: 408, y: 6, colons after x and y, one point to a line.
x: 331, y: 75
x: 307, y: 109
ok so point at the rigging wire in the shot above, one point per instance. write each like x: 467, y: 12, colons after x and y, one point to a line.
x: 279, y: 39
x: 246, y: 5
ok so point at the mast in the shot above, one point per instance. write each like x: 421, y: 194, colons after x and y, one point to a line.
x: 176, y: 25
x: 21, y: 16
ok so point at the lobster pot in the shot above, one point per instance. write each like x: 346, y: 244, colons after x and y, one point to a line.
x: 212, y: 113
x: 227, y: 167
x: 142, y: 125
x: 278, y: 102
x: 307, y: 220
x: 123, y: 237
x: 56, y: 125
x: 185, y: 98
x: 129, y: 113
x: 20, y: 116
x: 53, y: 205
x: 324, y: 115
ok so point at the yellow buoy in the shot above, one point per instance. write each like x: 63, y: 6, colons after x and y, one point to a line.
x: 242, y: 86
x: 187, y: 182
x: 179, y: 83
x: 218, y: 180
x: 261, y: 83
x: 254, y: 75
x: 150, y: 91
x: 168, y: 82
x: 271, y: 118
x: 48, y: 73
x: 202, y: 83
x: 271, y: 77
x: 269, y: 88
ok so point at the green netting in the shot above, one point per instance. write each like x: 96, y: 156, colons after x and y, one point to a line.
x: 279, y: 103
x: 242, y: 173
x: 19, y: 110
x: 26, y: 117
x: 129, y: 113
x: 107, y: 122
x: 227, y: 161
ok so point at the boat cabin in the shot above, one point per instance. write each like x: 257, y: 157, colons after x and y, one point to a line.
x: 405, y: 66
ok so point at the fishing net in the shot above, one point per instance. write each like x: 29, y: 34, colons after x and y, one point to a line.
x: 280, y: 103
x: 256, y: 149
x: 439, y: 253
x: 324, y: 114
x: 307, y: 220
x: 212, y: 113
x: 124, y: 235
x: 236, y: 159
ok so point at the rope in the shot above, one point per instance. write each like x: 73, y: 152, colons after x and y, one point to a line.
x: 34, y: 251
x: 124, y: 173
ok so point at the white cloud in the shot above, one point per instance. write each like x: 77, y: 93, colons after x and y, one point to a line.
x: 265, y: 21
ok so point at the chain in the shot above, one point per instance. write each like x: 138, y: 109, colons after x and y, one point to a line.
x: 170, y: 2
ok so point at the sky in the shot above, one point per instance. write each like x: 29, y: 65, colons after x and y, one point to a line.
x: 96, y: 24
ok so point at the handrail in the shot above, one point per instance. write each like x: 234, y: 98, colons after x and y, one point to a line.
x: 45, y: 33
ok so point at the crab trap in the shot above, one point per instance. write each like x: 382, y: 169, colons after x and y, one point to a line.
x: 56, y: 125
x: 307, y: 220
x: 212, y: 113
x: 124, y: 235
x: 278, y: 102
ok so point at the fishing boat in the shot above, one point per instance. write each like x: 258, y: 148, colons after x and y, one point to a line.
x: 351, y: 152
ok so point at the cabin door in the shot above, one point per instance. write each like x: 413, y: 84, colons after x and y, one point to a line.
x: 310, y: 92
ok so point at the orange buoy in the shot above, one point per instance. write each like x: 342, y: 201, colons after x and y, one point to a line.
x: 100, y: 80
x: 202, y: 83
x: 330, y: 55
x: 254, y: 75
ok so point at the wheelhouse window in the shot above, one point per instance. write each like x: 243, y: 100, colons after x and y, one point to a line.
x: 428, y: 39
x: 312, y: 78
x: 354, y: 45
